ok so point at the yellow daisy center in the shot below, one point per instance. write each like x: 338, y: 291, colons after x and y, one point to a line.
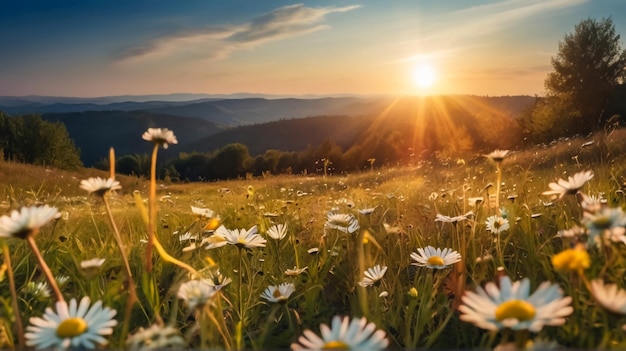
x: 518, y: 309
x: 71, y: 327
x: 435, y: 261
x: 277, y: 293
x: 335, y: 345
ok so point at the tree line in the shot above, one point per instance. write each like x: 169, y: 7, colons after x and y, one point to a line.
x: 234, y: 161
x: 30, y: 139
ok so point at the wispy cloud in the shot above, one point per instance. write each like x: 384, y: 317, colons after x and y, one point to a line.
x: 219, y: 42
x: 458, y: 28
x: 489, y: 18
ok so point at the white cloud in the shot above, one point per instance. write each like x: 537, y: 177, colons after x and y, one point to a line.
x: 218, y: 42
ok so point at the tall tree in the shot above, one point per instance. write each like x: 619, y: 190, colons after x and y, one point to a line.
x: 589, y: 65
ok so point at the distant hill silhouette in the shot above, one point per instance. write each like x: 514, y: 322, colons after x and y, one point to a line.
x: 386, y: 128
x: 95, y: 132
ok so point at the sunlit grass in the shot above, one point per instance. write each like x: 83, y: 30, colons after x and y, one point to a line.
x: 396, y: 210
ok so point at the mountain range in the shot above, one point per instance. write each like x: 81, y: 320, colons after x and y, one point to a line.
x: 204, y: 123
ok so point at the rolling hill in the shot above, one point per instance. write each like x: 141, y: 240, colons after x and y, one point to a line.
x: 384, y: 127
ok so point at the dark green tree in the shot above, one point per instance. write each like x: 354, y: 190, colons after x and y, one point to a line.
x: 32, y: 140
x: 589, y: 65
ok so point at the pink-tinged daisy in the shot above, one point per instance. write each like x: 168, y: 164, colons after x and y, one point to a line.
x: 571, y: 186
x: 435, y: 258
x: 75, y: 325
x: 511, y: 306
x: 161, y: 136
x: 344, y: 333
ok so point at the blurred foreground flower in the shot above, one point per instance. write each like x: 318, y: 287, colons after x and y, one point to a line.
x: 609, y: 296
x: 511, y: 306
x: 355, y: 334
x: 156, y: 338
x: 570, y: 186
x: 572, y: 260
x: 196, y: 293
x: 27, y: 221
x: 78, y: 326
x: 435, y: 258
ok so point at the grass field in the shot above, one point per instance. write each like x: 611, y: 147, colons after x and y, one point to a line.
x: 335, y: 230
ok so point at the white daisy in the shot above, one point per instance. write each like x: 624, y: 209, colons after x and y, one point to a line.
x: 279, y: 293
x: 99, y: 186
x: 367, y: 211
x: 240, y: 238
x: 27, y: 221
x: 511, y: 306
x: 203, y: 212
x: 346, y: 223
x: 609, y: 296
x: 75, y: 325
x: 92, y: 263
x: 161, y: 136
x: 608, y: 223
x: 196, y: 293
x: 355, y: 334
x: 217, y: 279
x: 498, y: 155
x: 277, y: 231
x: 156, y: 338
x: 447, y: 219
x: 435, y: 258
x: 570, y: 186
x: 36, y: 290
x: 497, y: 224
x: 373, y: 275
x: 295, y: 271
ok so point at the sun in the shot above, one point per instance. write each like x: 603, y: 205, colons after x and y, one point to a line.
x: 424, y: 75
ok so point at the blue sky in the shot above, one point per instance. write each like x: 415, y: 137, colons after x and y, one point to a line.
x: 111, y: 47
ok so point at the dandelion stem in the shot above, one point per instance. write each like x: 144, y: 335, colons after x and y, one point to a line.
x: 44, y: 267
x: 14, y: 305
x: 132, y: 292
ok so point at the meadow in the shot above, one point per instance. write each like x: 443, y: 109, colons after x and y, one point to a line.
x: 265, y: 263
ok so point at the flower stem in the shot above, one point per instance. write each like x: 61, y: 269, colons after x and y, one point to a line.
x: 152, y: 214
x: 239, y: 331
x: 16, y: 308
x: 132, y: 292
x: 44, y: 267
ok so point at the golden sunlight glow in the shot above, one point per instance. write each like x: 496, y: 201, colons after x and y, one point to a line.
x: 424, y: 75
